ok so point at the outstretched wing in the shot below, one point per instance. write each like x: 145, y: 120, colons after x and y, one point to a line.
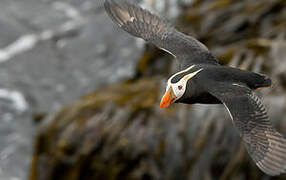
x: 266, y: 146
x: 141, y: 23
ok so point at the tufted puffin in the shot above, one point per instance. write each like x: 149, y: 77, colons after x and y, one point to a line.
x: 202, y: 79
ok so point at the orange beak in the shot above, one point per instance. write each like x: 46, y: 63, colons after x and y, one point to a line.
x: 168, y: 98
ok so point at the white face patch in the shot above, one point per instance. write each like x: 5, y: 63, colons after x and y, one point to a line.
x: 179, y: 87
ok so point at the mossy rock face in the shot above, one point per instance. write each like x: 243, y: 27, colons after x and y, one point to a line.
x: 119, y: 131
x: 111, y: 133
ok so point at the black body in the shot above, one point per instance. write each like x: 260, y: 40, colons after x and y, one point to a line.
x: 197, y: 87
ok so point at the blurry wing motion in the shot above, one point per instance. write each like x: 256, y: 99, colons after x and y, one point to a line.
x: 141, y: 23
x: 266, y: 146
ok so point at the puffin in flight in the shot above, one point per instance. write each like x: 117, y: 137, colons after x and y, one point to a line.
x: 202, y: 80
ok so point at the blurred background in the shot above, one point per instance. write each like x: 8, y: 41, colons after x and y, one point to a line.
x: 79, y: 97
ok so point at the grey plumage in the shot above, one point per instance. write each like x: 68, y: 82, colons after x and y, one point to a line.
x: 143, y: 24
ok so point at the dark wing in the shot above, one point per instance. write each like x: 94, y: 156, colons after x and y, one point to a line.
x: 141, y: 23
x: 266, y: 146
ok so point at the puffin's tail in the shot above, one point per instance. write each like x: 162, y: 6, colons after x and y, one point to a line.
x: 261, y: 81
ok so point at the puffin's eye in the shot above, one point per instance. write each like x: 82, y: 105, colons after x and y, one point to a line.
x: 180, y: 87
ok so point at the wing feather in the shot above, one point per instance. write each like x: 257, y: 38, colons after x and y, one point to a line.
x: 141, y: 23
x: 266, y: 146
